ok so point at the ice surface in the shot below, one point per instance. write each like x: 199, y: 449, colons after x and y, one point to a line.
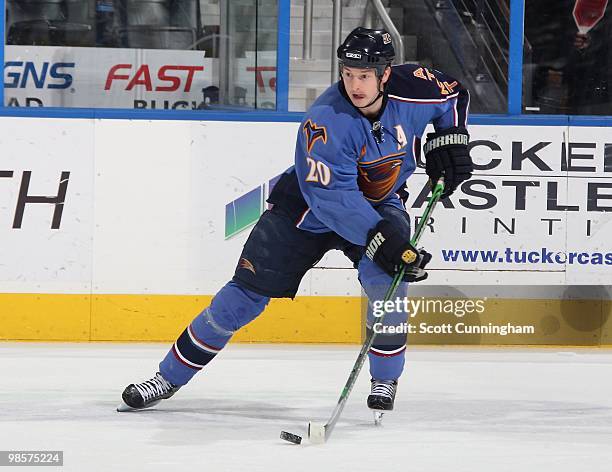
x: 457, y: 410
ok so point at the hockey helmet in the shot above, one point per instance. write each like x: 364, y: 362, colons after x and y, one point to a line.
x: 367, y: 49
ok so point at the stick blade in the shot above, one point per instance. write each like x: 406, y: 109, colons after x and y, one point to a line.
x: 316, y: 433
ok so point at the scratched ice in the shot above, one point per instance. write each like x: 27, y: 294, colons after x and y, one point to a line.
x: 457, y: 410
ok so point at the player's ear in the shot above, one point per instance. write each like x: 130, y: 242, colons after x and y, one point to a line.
x: 386, y: 75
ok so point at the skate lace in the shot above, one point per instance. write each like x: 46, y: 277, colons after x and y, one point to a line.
x: 157, y: 386
x: 383, y: 389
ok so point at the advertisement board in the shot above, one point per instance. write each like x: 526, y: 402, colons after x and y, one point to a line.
x: 124, y: 229
x: 107, y: 78
x: 46, y: 206
x: 537, y: 210
x: 36, y: 76
x: 539, y: 201
x: 177, y: 199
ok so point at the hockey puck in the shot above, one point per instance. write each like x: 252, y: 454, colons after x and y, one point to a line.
x: 292, y: 438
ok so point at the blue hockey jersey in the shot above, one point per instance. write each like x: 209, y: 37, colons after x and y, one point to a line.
x: 347, y: 164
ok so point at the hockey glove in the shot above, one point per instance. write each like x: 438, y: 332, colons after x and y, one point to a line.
x: 388, y: 248
x: 417, y: 272
x: 447, y: 156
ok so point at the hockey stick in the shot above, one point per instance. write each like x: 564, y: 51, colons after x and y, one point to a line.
x: 319, y: 433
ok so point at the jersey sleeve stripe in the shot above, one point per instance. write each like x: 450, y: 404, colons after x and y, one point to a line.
x: 423, y: 101
x: 301, y: 220
x: 467, y: 109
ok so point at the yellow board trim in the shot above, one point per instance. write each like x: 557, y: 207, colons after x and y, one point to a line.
x: 59, y: 317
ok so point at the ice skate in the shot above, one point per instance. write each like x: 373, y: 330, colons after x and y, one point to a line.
x: 146, y: 394
x: 381, y: 398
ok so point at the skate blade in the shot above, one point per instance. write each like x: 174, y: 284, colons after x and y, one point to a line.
x: 378, y: 416
x: 123, y: 407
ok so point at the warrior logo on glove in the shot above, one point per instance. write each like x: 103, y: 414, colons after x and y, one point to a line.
x: 391, y: 249
x: 408, y: 256
x: 447, y: 156
x: 373, y: 245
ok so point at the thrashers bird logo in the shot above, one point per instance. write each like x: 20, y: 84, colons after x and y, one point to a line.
x: 377, y: 178
x: 246, y: 264
x: 312, y: 132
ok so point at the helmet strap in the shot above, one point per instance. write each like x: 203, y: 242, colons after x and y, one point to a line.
x: 380, y: 94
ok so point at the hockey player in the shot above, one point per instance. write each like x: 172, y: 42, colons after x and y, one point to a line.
x: 356, y: 147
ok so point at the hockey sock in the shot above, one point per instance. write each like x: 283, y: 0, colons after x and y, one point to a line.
x: 387, y: 354
x: 386, y: 364
x: 232, y: 308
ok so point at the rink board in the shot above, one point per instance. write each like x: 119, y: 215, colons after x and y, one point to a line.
x: 55, y: 317
x: 123, y: 230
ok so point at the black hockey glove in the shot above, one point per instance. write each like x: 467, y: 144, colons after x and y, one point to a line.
x: 388, y: 248
x: 417, y: 272
x: 447, y: 156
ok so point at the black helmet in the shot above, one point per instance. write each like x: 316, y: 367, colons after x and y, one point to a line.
x: 367, y: 48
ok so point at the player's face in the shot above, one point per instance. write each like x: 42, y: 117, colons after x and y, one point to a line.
x: 362, y: 86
